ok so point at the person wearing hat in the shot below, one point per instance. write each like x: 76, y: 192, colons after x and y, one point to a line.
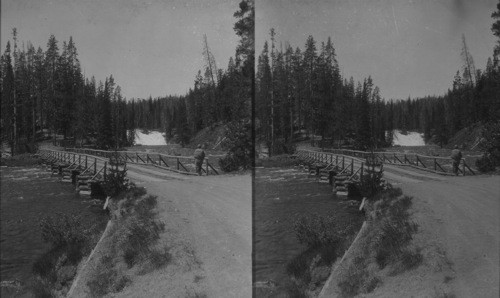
x: 199, y: 156
x: 456, y: 155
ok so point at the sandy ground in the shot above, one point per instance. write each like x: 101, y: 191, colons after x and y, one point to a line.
x: 209, y: 229
x: 459, y: 233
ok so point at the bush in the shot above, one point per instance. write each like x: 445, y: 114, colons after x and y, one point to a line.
x: 141, y: 231
x: 485, y: 164
x: 281, y: 146
x: 115, y: 181
x: 239, y: 143
x: 298, y: 267
x: 41, y: 289
x: 229, y: 163
x: 316, y: 230
x: 356, y: 276
x: 491, y: 141
x: 107, y: 279
x: 63, y: 230
x: 371, y: 181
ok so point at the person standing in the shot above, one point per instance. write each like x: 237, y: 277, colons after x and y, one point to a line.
x: 456, y: 155
x: 199, y: 156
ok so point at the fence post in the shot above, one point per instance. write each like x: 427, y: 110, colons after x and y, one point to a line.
x: 361, y: 175
x: 435, y: 166
x: 206, y: 160
x: 416, y: 160
x: 352, y: 166
x: 86, y: 159
x: 105, y: 168
x: 95, y: 166
x: 137, y: 157
x: 463, y: 166
x: 177, y: 163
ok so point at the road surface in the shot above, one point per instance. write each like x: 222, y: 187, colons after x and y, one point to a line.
x: 459, y: 235
x: 209, y: 230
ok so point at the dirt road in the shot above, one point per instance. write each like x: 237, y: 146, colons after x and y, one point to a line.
x: 459, y: 235
x: 209, y: 230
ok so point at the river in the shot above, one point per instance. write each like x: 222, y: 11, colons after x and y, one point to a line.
x: 27, y: 195
x: 282, y: 195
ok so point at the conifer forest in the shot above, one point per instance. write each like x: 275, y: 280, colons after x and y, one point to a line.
x: 45, y: 93
x: 302, y: 89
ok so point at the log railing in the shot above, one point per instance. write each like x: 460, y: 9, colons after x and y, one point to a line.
x: 180, y: 164
x: 440, y: 165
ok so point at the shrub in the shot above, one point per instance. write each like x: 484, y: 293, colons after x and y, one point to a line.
x: 298, y: 267
x: 350, y: 285
x: 107, y: 279
x: 239, y: 143
x: 159, y: 257
x: 316, y: 230
x: 282, y: 146
x: 371, y: 181
x: 141, y: 231
x: 41, y: 289
x: 491, y: 141
x: 485, y: 164
x: 294, y: 291
x: 45, y: 265
x: 115, y: 181
x: 410, y: 259
x: 62, y: 230
x: 394, y: 231
x: 229, y: 163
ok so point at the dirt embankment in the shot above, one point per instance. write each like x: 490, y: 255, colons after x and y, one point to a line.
x: 208, y: 231
x: 458, y: 236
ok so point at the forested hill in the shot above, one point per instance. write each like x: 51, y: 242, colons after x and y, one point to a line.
x: 302, y: 90
x: 46, y: 91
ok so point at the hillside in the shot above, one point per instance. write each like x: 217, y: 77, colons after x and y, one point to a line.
x: 467, y: 138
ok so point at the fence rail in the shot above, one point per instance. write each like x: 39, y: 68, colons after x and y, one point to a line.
x: 180, y: 164
x: 440, y: 165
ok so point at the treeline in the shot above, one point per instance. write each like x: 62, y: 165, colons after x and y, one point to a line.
x: 473, y: 98
x: 45, y: 91
x: 301, y: 90
x: 213, y: 100
x: 217, y: 97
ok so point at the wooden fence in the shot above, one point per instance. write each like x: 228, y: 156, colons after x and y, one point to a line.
x: 440, y: 165
x: 180, y: 164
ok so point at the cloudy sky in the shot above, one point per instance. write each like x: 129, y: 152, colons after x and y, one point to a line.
x: 409, y: 47
x: 151, y: 47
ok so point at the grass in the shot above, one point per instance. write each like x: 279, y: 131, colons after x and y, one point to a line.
x: 140, y: 231
x: 325, y: 238
x: 40, y: 288
x: 135, y: 243
x: 387, y: 243
x: 70, y: 241
x: 108, y: 279
x: 283, y: 160
x: 21, y: 160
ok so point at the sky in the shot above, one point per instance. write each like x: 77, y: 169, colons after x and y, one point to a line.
x: 151, y: 47
x: 408, y: 47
